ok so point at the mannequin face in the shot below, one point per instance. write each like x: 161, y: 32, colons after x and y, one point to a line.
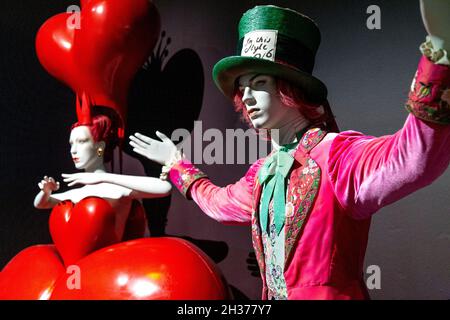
x: 83, y: 149
x: 264, y: 106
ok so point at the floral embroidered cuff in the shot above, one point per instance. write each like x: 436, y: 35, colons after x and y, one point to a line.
x: 183, y: 173
x: 166, y: 168
x: 437, y: 55
x: 429, y: 98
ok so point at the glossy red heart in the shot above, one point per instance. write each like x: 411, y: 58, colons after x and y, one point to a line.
x: 136, y: 223
x: 101, y: 57
x: 31, y: 274
x: 54, y: 47
x: 146, y: 269
x: 80, y: 229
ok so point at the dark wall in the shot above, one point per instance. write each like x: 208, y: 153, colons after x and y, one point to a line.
x: 368, y: 74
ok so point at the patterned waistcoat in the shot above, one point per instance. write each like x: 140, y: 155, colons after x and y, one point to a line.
x: 304, y: 183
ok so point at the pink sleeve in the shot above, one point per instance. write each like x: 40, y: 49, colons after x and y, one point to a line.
x: 369, y: 173
x: 230, y: 205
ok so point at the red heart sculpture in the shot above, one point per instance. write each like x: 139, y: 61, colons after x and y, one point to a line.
x: 146, y: 269
x: 101, y: 57
x: 80, y: 229
x: 54, y: 46
x: 31, y: 274
x: 136, y: 222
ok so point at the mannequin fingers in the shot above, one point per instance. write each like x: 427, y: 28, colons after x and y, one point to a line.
x: 162, y: 136
x: 135, y: 145
x: 143, y: 138
x: 140, y: 151
x: 73, y: 182
x: 74, y: 175
x: 40, y: 185
x: 140, y: 142
x: 70, y: 179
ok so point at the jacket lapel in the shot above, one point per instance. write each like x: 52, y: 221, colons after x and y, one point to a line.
x: 302, y: 189
x: 256, y: 229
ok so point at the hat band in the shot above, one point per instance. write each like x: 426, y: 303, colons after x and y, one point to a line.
x: 289, y: 51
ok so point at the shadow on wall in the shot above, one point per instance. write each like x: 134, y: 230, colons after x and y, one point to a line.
x: 166, y: 96
x: 164, y: 99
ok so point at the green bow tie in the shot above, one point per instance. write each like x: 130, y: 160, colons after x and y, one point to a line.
x: 272, y: 176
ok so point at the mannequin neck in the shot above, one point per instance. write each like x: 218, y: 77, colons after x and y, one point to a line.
x: 98, y: 167
x: 287, y: 133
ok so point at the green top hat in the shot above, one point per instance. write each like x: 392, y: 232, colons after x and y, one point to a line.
x: 275, y: 41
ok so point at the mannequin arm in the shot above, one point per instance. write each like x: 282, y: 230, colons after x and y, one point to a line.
x: 140, y: 187
x: 44, y: 199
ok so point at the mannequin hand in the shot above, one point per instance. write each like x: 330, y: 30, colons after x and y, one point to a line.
x: 436, y: 19
x: 161, y: 152
x: 48, y: 185
x: 83, y: 178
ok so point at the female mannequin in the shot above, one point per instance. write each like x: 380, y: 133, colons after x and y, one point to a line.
x: 92, y: 147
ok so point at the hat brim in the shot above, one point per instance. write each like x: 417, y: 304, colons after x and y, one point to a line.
x: 229, y: 69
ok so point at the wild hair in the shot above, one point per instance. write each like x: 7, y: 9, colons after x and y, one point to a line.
x: 318, y: 114
x: 103, y: 127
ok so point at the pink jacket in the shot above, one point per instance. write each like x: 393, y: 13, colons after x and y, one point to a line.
x: 337, y: 182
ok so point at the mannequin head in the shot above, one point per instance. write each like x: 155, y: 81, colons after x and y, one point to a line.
x: 267, y: 103
x: 93, y: 144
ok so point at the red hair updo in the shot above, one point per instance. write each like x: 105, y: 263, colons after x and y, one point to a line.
x: 103, y: 127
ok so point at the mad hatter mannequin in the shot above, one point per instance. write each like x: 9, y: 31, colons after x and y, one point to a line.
x: 311, y: 200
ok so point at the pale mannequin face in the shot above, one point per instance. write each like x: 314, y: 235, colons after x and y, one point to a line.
x: 83, y: 149
x: 264, y: 106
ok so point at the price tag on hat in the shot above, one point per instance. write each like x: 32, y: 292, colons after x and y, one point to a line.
x: 260, y: 44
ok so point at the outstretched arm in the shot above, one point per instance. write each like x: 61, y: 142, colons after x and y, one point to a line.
x: 140, y: 187
x: 231, y: 204
x: 369, y: 173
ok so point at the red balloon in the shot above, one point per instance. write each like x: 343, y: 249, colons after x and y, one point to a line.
x: 31, y: 274
x: 101, y: 57
x: 146, y: 269
x: 80, y: 229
